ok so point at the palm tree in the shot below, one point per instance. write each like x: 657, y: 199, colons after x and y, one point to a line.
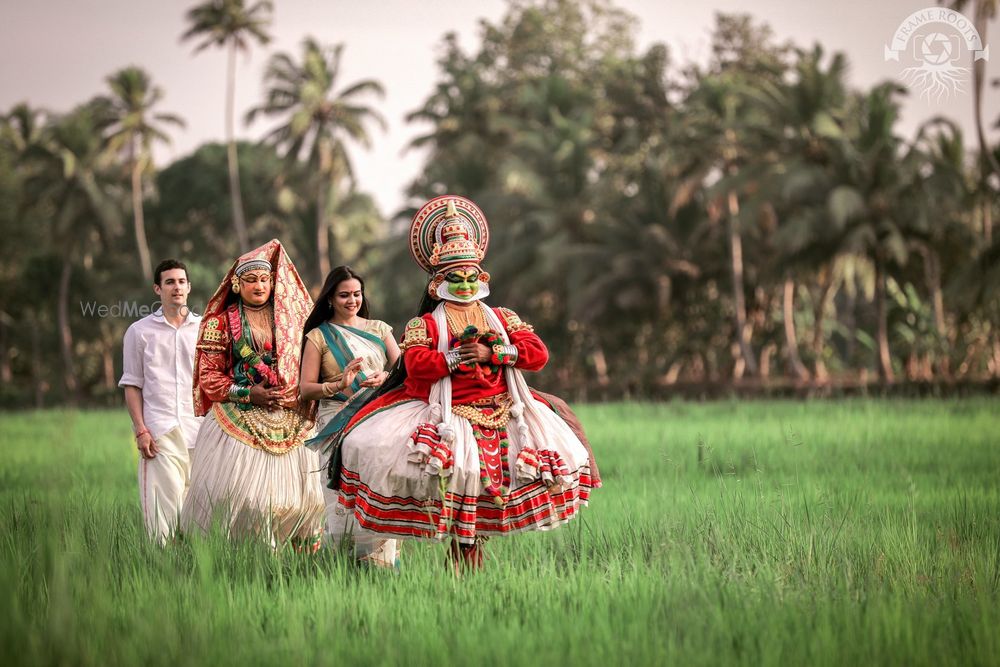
x: 716, y: 131
x: 233, y: 25
x: 721, y: 133
x: 135, y: 129
x: 21, y: 130
x: 873, y: 202
x: 72, y: 178
x: 317, y: 120
x: 805, y: 122
x: 859, y: 209
x: 984, y: 12
x: 941, y: 236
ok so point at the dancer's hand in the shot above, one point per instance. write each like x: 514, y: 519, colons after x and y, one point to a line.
x: 146, y: 446
x: 474, y: 353
x: 266, y: 397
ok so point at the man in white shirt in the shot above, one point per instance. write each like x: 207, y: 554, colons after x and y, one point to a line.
x: 159, y: 360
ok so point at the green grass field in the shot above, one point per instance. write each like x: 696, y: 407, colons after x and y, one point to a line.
x: 754, y: 533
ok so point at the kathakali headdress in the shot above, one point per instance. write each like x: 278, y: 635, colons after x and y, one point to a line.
x: 449, y: 233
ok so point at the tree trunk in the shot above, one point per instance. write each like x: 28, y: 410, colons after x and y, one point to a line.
x: 107, y: 357
x: 937, y: 295
x: 765, y: 360
x: 66, y: 333
x: 996, y: 357
x: 140, y: 221
x: 322, y: 238
x: 882, y: 336
x: 851, y: 322
x: 674, y: 372
x: 235, y: 196
x: 6, y: 373
x: 36, y: 366
x: 932, y: 274
x: 987, y: 222
x: 911, y: 367
x: 600, y: 365
x: 970, y: 356
x: 819, y: 319
x: 739, y: 295
x: 699, y: 367
x: 796, y: 366
x: 978, y: 79
x: 109, y: 368
x: 739, y: 362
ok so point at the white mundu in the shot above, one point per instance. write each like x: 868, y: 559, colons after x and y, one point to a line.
x: 159, y: 360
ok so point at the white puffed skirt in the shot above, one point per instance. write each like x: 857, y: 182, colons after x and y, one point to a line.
x: 342, y: 529
x: 251, y: 492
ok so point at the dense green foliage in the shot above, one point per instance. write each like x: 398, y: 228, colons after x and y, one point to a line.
x: 750, y: 219
x: 859, y: 532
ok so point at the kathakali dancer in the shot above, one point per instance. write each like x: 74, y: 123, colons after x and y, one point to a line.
x: 462, y: 446
x: 250, y: 470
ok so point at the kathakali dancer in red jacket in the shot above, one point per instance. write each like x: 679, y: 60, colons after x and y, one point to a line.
x: 462, y: 447
x: 249, y: 469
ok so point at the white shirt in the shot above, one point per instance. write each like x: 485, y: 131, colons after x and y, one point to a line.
x: 159, y: 360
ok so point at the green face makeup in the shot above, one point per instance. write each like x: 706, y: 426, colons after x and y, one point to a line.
x: 463, y: 284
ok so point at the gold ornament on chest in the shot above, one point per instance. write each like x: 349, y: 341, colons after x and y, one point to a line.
x: 459, y: 318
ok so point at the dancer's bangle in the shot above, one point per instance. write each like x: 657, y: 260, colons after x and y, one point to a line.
x: 238, y: 394
x: 504, y: 355
x: 141, y: 433
x: 453, y: 358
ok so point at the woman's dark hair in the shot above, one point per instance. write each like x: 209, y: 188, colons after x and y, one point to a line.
x: 322, y: 310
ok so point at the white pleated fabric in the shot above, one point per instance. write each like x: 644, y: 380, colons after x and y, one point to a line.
x: 532, y: 423
x: 341, y: 527
x: 536, y: 425
x: 163, y: 482
x: 251, y: 492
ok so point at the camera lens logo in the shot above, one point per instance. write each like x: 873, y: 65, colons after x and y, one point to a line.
x: 933, y: 41
x: 936, y: 49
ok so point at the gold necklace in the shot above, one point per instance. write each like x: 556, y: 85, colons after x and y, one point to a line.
x: 460, y: 318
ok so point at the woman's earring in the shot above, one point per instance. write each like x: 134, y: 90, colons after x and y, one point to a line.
x: 236, y: 284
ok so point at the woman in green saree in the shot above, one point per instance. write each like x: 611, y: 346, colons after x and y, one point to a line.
x: 344, y: 359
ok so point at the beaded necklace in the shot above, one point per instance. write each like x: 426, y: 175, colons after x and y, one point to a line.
x: 460, y: 318
x: 253, y: 365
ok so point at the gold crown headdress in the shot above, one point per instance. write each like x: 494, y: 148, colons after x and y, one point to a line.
x: 447, y: 232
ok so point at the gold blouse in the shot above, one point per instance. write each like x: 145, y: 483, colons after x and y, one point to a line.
x: 329, y: 369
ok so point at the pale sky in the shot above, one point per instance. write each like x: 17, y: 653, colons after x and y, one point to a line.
x: 55, y: 54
